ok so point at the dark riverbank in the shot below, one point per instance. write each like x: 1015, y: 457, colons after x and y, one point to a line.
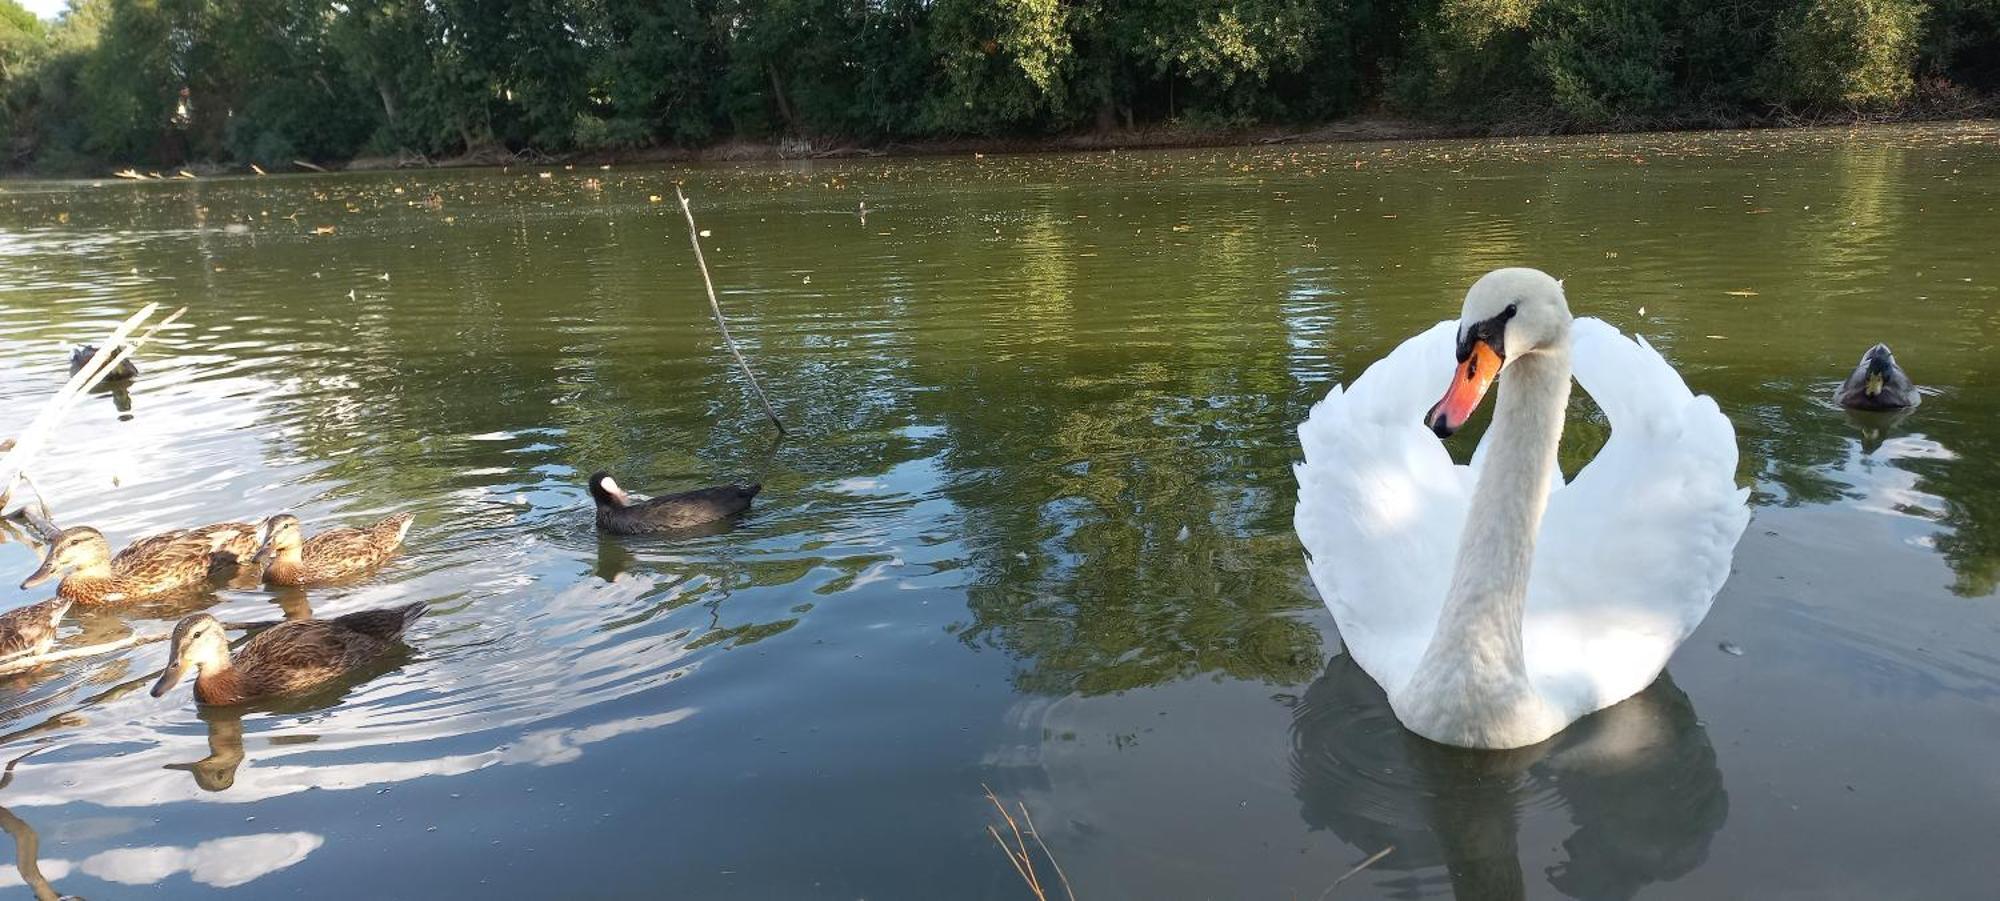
x: 1354, y: 130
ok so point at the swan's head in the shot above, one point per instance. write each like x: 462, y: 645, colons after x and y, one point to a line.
x: 1508, y: 314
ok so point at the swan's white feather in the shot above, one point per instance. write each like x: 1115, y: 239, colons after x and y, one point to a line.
x: 1629, y: 556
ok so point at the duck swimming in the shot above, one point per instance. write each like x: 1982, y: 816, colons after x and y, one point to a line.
x: 31, y: 630
x: 619, y: 513
x: 1878, y: 384
x: 151, y: 567
x: 290, y: 558
x: 125, y: 371
x: 1496, y: 603
x: 287, y: 658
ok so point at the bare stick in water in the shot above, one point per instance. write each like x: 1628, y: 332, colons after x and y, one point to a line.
x: 18, y: 664
x: 1017, y: 853
x: 23, y: 664
x: 694, y: 239
x: 1372, y: 858
x: 114, y: 351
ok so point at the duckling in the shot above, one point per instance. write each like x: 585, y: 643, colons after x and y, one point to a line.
x: 31, y: 630
x: 125, y: 371
x: 151, y: 567
x: 287, y: 658
x: 1878, y: 384
x: 330, y: 556
x: 617, y: 512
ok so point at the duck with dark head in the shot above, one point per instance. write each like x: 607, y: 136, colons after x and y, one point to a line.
x: 621, y: 513
x: 1878, y: 384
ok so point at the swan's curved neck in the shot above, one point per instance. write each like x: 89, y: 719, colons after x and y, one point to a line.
x: 1472, y: 684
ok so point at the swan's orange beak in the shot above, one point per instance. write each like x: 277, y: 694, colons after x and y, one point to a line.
x: 1468, y: 386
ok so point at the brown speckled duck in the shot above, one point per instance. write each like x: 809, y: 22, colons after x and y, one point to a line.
x: 622, y: 514
x: 288, y: 658
x: 290, y: 558
x: 32, y: 629
x: 151, y: 567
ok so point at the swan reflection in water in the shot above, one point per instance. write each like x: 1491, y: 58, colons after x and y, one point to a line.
x: 1638, y: 780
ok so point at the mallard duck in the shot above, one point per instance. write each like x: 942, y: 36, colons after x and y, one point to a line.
x: 231, y: 544
x: 150, y: 567
x: 287, y: 658
x: 31, y: 629
x: 125, y: 371
x: 1878, y: 384
x: 290, y: 558
x: 618, y: 512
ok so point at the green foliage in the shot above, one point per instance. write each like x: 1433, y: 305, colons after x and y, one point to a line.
x: 1855, y: 53
x: 1603, y: 60
x: 169, y: 82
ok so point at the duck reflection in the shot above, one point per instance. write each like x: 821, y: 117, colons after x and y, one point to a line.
x: 217, y: 771
x: 1639, y: 780
x: 1875, y: 427
x: 27, y: 842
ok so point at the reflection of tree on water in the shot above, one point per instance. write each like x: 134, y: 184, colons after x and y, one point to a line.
x: 1639, y: 780
x: 1126, y: 507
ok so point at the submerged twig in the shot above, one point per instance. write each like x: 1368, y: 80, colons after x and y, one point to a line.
x: 23, y: 664
x: 1037, y: 833
x: 1350, y: 874
x: 694, y: 239
x: 18, y: 664
x: 1017, y: 854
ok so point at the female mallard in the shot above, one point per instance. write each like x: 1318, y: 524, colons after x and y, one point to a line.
x: 151, y: 567
x: 230, y: 543
x: 618, y: 512
x: 287, y: 658
x: 32, y: 629
x: 335, y: 554
x: 1878, y: 384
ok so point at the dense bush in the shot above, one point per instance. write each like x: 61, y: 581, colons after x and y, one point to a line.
x: 166, y: 82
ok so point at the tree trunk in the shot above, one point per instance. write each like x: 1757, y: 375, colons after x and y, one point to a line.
x: 784, y: 105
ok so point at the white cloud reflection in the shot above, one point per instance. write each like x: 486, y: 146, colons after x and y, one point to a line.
x: 221, y: 863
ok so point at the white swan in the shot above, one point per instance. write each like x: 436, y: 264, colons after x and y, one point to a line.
x: 1494, y: 603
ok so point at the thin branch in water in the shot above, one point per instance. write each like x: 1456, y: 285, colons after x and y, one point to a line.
x: 1037, y: 833
x: 694, y: 240
x: 115, y: 351
x: 1017, y: 853
x: 21, y: 665
x: 1350, y: 874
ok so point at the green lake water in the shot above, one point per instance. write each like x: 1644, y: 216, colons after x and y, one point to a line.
x: 1032, y: 530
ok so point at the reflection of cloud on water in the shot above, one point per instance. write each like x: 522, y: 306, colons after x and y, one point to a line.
x: 140, y: 786
x: 221, y: 863
x: 1883, y: 487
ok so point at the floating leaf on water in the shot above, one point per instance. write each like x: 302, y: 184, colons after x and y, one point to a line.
x: 323, y: 230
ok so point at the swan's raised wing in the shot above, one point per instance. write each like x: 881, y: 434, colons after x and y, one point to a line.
x: 1633, y: 550
x: 1381, y: 505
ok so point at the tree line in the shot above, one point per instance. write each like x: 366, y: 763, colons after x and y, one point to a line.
x: 165, y: 82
